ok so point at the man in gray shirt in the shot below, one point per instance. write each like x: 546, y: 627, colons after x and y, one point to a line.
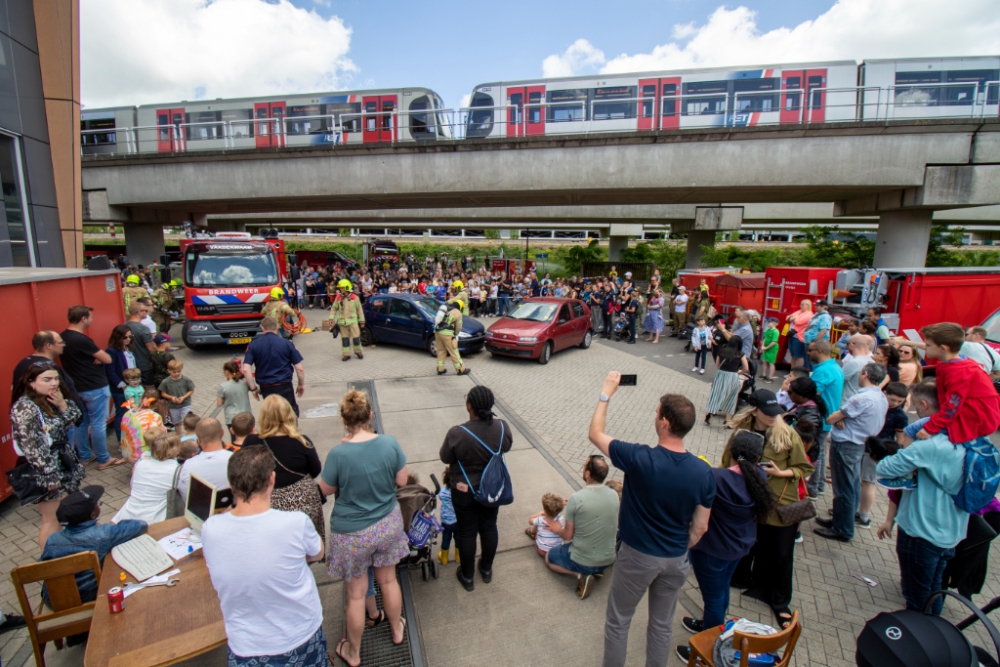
x: 860, y: 416
x: 744, y: 330
x: 861, y: 355
x: 142, y: 342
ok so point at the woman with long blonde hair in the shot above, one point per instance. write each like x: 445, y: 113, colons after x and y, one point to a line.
x: 910, y: 370
x: 767, y: 570
x: 296, y: 462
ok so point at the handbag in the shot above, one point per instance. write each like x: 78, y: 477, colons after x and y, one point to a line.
x: 800, y: 510
x: 302, y: 475
x: 24, y: 481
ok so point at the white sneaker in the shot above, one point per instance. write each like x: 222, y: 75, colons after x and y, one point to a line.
x: 702, y: 371
x: 695, y: 369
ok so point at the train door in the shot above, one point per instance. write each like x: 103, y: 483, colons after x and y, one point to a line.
x: 526, y: 111
x: 816, y: 99
x: 270, y: 134
x: 380, y: 122
x: 170, y: 140
x: 792, y: 85
x: 658, y: 104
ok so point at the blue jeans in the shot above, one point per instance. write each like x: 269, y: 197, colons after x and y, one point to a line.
x: 504, y: 305
x: 560, y: 557
x: 921, y: 566
x: 118, y: 396
x: 713, y: 575
x: 95, y: 416
x: 449, y: 529
x: 845, y: 469
x: 817, y: 483
x: 700, y: 357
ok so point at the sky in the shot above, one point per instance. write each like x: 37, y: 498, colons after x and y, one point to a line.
x: 145, y: 51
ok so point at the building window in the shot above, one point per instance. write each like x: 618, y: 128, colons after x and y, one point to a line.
x: 14, y: 219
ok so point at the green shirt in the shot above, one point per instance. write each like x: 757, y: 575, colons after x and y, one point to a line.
x: 594, y: 513
x: 177, y: 388
x: 770, y: 336
x: 365, y: 475
x: 235, y: 397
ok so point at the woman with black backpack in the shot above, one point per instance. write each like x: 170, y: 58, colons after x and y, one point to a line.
x: 468, y: 449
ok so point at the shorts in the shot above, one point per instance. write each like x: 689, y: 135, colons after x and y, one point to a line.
x: 382, y: 544
x: 560, y: 556
x: 796, y: 348
x: 868, y: 469
x: 177, y: 414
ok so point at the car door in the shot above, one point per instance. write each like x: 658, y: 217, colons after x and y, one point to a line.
x: 581, y: 323
x: 406, y: 323
x: 563, y: 327
x: 375, y: 317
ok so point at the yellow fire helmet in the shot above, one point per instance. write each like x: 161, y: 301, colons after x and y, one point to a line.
x: 345, y: 284
x: 277, y: 293
x: 458, y: 284
x: 175, y: 283
x: 458, y: 303
x: 132, y: 280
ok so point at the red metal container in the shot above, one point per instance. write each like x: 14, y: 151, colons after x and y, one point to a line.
x: 116, y: 599
x: 786, y: 286
x: 39, y: 299
x: 920, y: 297
x: 691, y: 279
x: 744, y: 290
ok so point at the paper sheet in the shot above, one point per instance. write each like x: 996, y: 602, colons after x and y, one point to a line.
x: 179, y: 544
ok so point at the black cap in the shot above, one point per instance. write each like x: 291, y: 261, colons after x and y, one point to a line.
x: 822, y: 302
x: 79, y: 506
x: 766, y: 402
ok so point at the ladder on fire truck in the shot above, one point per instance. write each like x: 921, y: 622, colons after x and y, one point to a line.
x: 774, y: 302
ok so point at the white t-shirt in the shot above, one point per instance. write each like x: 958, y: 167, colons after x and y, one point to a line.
x: 545, y: 539
x: 269, y: 602
x: 982, y: 354
x: 210, y: 466
x: 149, y: 324
x: 680, y: 303
x: 151, y: 481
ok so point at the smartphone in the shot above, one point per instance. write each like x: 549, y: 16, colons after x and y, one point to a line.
x: 628, y: 381
x: 765, y: 464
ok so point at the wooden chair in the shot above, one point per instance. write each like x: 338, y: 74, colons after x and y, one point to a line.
x: 703, y: 643
x: 69, y: 615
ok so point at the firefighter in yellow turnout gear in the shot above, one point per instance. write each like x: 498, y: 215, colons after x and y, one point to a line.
x: 347, y: 314
x: 132, y: 291
x: 446, y: 333
x: 163, y: 304
x: 277, y: 308
x: 460, y: 295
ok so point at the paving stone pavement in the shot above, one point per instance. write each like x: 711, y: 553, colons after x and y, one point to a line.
x: 555, y: 403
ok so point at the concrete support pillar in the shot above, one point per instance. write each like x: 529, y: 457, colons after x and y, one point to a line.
x: 902, y: 239
x: 696, y: 239
x: 616, y: 248
x: 143, y: 243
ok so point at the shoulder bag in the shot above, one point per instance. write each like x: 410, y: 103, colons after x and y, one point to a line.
x: 801, y: 510
x: 23, y: 477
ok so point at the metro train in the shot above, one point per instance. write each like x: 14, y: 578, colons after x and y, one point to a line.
x: 349, y: 117
x: 800, y: 93
x: 738, y: 97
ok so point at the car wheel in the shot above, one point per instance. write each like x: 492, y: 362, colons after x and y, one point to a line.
x: 546, y: 354
x: 432, y: 346
x: 367, y: 338
x: 588, y: 338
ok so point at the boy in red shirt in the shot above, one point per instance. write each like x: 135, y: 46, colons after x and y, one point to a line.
x: 969, y: 405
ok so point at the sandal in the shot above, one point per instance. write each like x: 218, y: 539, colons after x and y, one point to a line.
x: 784, y: 617
x: 89, y: 461
x: 378, y: 620
x: 402, y: 622
x: 110, y: 464
x: 339, y: 651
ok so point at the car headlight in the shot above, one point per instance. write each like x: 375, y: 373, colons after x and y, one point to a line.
x: 464, y: 334
x: 528, y: 339
x: 489, y: 334
x: 198, y: 327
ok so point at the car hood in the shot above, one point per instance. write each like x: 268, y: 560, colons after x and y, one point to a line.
x: 506, y: 325
x: 472, y: 327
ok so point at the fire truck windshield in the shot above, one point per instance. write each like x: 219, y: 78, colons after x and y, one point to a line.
x: 992, y: 325
x: 231, y: 267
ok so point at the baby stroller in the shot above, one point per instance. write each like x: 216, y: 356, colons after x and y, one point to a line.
x: 749, y: 384
x: 686, y: 334
x: 417, y: 505
x: 620, y: 328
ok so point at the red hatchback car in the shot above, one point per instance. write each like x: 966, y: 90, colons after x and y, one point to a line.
x: 537, y: 327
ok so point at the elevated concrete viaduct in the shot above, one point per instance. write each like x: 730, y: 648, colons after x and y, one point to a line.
x: 900, y: 171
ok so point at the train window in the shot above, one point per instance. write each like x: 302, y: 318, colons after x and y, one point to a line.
x: 792, y: 99
x: 346, y: 114
x: 515, y: 102
x: 163, y: 121
x: 700, y: 98
x: 388, y: 106
x: 756, y: 95
x: 978, y: 80
x: 669, y: 103
x: 910, y: 92
x: 313, y: 123
x: 203, y: 126
x: 421, y: 124
x: 534, y: 108
x: 815, y: 96
x: 566, y: 106
x: 648, y: 100
x: 91, y: 137
x: 238, y: 122
x: 622, y: 109
x: 481, y: 120
x: 371, y: 122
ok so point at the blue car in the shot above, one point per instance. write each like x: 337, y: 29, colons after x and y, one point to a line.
x: 408, y: 319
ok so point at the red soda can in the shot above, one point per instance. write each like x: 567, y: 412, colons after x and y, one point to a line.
x: 116, y: 599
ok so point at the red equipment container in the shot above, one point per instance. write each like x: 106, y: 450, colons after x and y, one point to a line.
x: 41, y: 298
x: 786, y: 286
x: 743, y: 290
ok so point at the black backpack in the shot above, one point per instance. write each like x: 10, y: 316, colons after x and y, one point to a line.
x: 495, y: 488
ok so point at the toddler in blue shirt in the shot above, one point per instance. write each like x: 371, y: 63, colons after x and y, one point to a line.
x: 448, y: 520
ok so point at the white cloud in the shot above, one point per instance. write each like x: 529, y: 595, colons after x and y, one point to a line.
x: 324, y: 3
x: 142, y: 51
x: 466, y: 100
x: 579, y: 57
x: 850, y: 30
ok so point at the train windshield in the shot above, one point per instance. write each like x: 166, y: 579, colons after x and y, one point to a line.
x: 237, y: 266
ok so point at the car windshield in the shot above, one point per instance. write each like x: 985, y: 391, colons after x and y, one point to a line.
x: 992, y: 326
x: 231, y: 268
x: 534, y: 311
x: 428, y: 307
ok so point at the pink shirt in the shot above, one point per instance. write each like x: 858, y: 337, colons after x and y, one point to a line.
x: 800, y: 320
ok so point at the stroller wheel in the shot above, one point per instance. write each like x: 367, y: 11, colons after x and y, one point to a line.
x: 423, y: 571
x: 434, y: 569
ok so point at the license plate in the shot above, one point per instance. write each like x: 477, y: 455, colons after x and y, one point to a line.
x: 239, y: 341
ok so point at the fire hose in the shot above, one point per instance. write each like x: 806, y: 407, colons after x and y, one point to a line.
x: 298, y: 327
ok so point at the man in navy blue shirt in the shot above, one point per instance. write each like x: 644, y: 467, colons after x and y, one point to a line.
x: 666, y: 502
x: 274, y: 359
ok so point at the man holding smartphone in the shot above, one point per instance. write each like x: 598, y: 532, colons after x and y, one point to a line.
x: 666, y: 504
